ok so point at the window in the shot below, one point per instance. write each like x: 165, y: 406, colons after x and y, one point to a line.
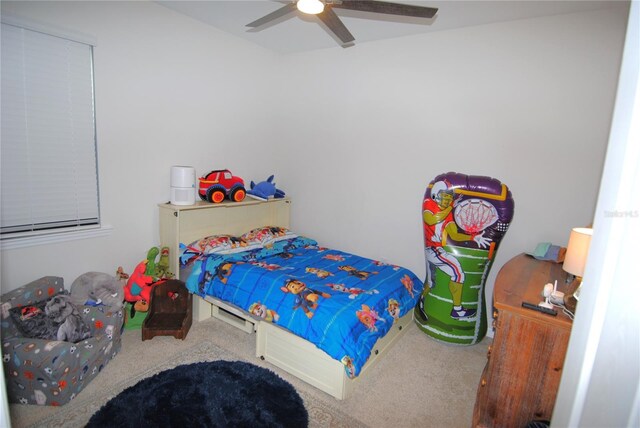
x: 48, y: 158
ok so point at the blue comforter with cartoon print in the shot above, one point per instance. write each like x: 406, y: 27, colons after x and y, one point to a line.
x: 341, y: 302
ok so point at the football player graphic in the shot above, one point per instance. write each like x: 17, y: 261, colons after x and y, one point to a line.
x: 439, y: 223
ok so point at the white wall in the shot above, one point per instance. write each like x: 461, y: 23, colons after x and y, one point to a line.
x: 528, y: 102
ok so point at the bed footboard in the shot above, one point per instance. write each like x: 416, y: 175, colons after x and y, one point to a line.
x: 300, y: 358
x: 305, y: 361
x: 295, y: 355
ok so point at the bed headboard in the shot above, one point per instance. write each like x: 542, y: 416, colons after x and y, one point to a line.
x: 186, y: 223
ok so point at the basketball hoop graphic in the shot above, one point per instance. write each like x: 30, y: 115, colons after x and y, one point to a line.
x: 475, y: 215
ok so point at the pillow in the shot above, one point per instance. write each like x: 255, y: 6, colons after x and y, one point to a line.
x: 221, y: 244
x: 31, y: 321
x: 268, y: 235
x: 215, y: 244
x: 285, y: 247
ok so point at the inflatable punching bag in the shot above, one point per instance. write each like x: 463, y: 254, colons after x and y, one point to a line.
x: 464, y: 218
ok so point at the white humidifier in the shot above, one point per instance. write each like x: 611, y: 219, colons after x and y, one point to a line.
x: 183, y: 185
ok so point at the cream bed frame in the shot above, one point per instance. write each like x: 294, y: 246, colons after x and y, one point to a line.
x: 185, y: 224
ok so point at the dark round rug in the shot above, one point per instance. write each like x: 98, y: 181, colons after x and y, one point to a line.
x: 211, y: 394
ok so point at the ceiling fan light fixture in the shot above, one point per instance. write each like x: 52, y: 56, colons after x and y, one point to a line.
x: 312, y: 7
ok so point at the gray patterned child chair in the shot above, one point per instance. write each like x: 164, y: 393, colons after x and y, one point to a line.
x: 48, y: 371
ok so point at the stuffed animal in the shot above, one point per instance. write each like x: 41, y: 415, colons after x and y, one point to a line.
x: 139, y: 286
x: 151, y: 261
x: 121, y: 274
x: 265, y: 190
x: 158, y: 269
x: 96, y: 289
x: 62, y: 311
x: 162, y: 267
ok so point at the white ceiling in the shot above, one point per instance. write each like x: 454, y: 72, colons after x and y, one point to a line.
x: 298, y: 32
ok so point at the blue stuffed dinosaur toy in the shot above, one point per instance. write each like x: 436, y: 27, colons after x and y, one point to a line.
x: 265, y: 190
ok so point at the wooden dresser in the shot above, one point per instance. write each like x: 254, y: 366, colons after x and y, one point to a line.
x: 525, y: 360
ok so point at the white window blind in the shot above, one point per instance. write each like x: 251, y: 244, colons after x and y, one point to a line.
x: 48, y: 157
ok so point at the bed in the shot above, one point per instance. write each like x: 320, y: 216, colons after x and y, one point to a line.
x: 321, y: 314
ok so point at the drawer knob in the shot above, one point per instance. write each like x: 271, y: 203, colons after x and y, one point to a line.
x: 495, y: 314
x: 483, y: 382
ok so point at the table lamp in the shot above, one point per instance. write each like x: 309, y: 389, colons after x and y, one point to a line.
x: 575, y: 260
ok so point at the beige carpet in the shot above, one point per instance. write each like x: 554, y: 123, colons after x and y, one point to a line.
x: 419, y: 383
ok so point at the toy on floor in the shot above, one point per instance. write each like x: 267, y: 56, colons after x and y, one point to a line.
x: 62, y: 311
x: 158, y: 268
x: 162, y: 267
x: 96, y: 289
x: 121, y: 274
x: 265, y: 190
x: 145, y: 276
x: 170, y: 313
x: 138, y: 288
x: 150, y: 269
x: 464, y: 219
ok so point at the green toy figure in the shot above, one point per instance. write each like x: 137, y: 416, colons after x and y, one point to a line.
x: 151, y: 261
x: 162, y: 268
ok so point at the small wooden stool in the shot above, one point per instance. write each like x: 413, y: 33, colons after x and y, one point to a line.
x: 170, y: 311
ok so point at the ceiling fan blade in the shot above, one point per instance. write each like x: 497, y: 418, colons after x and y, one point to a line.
x: 336, y: 26
x: 387, y: 8
x: 273, y: 15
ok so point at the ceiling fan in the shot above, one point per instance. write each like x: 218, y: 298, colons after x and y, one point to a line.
x: 323, y: 10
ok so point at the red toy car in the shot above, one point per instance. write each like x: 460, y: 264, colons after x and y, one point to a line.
x: 220, y: 184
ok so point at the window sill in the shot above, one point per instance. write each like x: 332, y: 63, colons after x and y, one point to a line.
x: 54, y: 238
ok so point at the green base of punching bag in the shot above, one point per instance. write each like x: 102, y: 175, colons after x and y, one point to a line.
x: 433, y: 314
x: 464, y: 219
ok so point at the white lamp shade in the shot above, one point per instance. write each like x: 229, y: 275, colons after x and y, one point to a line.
x: 312, y: 7
x: 577, y: 251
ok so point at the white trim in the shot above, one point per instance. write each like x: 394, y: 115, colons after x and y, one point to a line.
x: 55, y: 237
x: 603, y: 348
x: 49, y: 29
